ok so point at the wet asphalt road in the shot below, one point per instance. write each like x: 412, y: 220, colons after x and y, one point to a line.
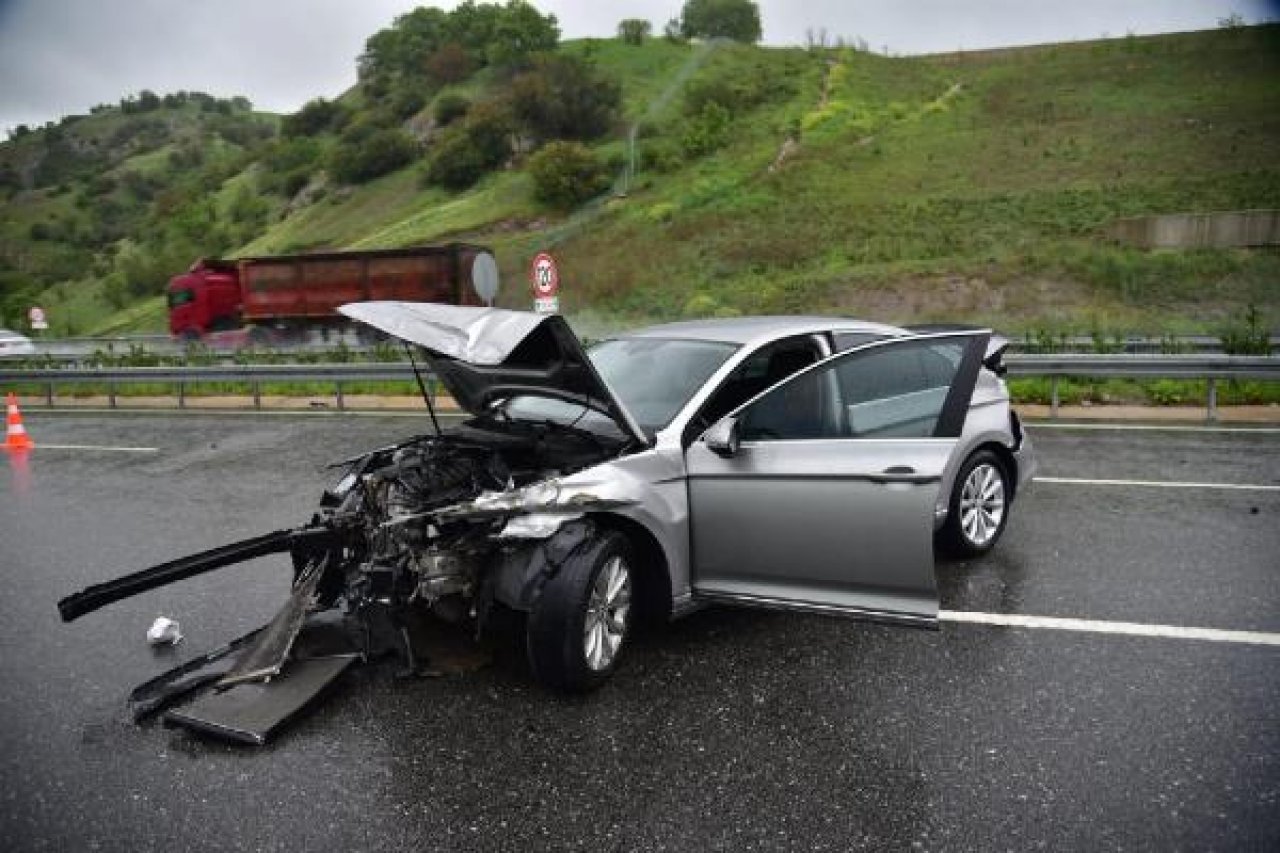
x: 731, y: 730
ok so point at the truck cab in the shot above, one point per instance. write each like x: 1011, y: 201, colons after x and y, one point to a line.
x: 205, y: 298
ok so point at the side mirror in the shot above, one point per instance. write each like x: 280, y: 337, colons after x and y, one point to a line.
x: 723, y: 439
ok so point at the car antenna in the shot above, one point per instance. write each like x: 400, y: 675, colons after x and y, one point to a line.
x: 422, y: 386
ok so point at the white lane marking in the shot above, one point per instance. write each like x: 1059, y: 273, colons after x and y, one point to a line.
x: 1259, y: 430
x: 96, y: 447
x: 1157, y: 484
x: 275, y: 413
x: 1133, y: 629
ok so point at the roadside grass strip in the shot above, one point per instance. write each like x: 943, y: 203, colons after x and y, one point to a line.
x: 1093, y: 626
x: 1156, y: 484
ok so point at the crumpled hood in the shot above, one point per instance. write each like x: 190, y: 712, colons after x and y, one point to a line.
x: 487, y: 354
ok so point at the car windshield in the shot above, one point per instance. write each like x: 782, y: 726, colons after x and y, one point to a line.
x: 653, y: 378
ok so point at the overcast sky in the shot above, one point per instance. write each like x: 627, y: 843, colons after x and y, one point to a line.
x: 63, y: 56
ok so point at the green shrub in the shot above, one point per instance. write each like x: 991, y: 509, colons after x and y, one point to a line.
x: 383, y: 152
x: 407, y: 102
x: 661, y: 155
x: 1167, y: 392
x: 566, y: 97
x: 293, y: 182
x: 464, y: 152
x: 316, y: 116
x: 707, y: 132
x: 1246, y: 336
x: 455, y: 163
x: 450, y: 107
x: 565, y: 174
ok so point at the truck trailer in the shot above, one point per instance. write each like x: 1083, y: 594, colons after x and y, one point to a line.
x: 286, y: 296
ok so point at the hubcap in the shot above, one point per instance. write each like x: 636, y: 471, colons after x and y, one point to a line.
x: 606, y: 622
x: 982, y: 504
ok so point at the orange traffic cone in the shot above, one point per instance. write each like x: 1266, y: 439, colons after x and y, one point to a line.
x: 16, y: 437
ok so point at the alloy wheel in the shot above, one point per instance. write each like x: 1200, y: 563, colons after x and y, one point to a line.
x: 605, y: 625
x: 982, y: 504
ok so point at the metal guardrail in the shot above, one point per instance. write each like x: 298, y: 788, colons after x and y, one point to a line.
x: 181, y: 377
x: 77, y: 350
x: 1208, y: 367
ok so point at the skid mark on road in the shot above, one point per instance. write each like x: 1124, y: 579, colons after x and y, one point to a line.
x: 1156, y: 484
x: 1094, y: 626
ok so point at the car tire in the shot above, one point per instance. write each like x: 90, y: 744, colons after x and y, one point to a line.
x: 978, y: 510
x: 579, y: 627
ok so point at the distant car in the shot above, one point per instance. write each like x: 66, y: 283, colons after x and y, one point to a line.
x: 804, y: 463
x: 12, y: 343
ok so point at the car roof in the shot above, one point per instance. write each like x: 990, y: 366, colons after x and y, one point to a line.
x: 9, y: 333
x: 743, y: 330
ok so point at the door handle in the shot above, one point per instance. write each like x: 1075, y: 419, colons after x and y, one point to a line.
x: 902, y: 474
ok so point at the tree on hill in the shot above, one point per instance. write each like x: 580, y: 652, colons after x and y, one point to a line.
x: 467, y: 150
x: 634, y: 30
x: 449, y: 64
x: 521, y: 32
x: 566, y: 97
x: 316, y: 116
x: 428, y: 45
x: 733, y: 19
x: 380, y: 152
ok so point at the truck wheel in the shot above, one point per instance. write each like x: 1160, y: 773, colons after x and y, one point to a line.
x: 580, y: 625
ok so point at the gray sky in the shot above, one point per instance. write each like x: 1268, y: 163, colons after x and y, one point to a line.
x: 64, y: 56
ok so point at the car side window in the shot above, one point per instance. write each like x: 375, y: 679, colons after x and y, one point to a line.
x: 895, y: 391
x: 766, y: 366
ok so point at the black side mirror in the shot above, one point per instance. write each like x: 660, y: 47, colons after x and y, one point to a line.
x: 723, y: 438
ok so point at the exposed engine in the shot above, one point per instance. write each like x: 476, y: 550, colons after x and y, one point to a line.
x: 417, y: 555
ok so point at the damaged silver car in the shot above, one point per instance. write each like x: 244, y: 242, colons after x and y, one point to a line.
x: 806, y: 463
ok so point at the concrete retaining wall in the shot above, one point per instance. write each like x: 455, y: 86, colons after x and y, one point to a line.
x: 1199, y: 230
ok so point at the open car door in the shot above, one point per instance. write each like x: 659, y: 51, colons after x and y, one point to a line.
x: 819, y: 494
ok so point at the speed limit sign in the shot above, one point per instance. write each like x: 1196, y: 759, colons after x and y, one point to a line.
x: 545, y: 276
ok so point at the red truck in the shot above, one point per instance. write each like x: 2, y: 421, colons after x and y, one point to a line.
x: 281, y: 297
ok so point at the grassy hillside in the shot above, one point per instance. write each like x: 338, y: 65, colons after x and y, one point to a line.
x: 973, y: 187
x: 965, y: 187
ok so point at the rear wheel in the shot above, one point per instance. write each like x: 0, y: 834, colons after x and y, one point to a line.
x: 979, y: 507
x: 580, y: 625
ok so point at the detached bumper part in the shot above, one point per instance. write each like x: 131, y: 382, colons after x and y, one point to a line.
x: 252, y: 713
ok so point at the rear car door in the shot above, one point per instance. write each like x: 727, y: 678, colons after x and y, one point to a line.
x: 827, y: 502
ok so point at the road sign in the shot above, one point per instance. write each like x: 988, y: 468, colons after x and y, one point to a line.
x: 37, y: 318
x: 544, y: 276
x: 484, y: 277
x: 547, y: 305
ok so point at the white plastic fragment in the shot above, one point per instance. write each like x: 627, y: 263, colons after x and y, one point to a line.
x: 164, y: 631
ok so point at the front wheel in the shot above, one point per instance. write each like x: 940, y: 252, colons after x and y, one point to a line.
x: 581, y: 623
x: 979, y: 506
